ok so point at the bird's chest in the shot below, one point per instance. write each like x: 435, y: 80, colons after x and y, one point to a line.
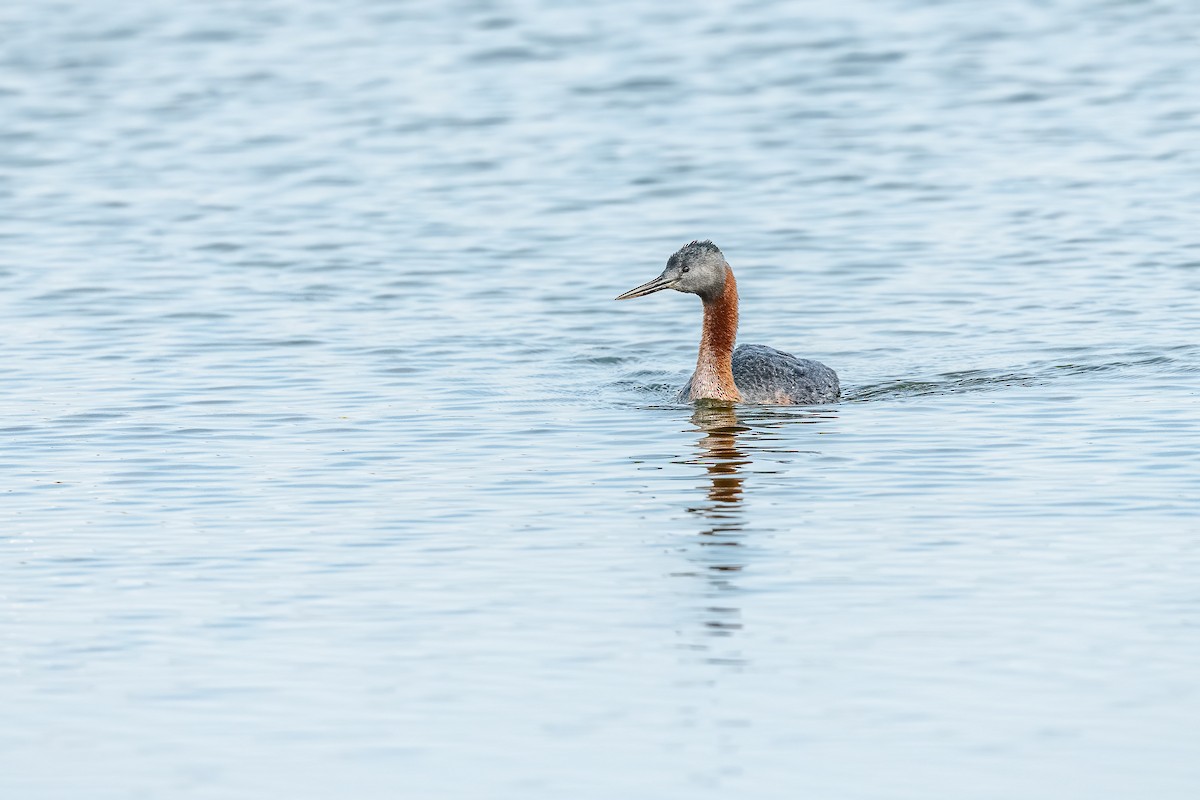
x: 708, y: 383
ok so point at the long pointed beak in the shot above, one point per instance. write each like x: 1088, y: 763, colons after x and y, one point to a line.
x: 656, y: 285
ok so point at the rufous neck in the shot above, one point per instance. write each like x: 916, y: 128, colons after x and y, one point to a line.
x: 714, y: 365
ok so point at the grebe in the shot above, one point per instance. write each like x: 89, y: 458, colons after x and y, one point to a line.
x: 753, y: 373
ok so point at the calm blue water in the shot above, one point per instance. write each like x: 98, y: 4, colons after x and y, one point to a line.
x: 330, y: 468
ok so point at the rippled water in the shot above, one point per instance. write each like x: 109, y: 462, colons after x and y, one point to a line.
x: 331, y: 469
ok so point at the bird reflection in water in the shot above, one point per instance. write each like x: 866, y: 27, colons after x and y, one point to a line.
x: 724, y: 545
x: 720, y: 541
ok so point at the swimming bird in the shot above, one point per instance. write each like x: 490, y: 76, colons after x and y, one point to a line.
x: 753, y: 373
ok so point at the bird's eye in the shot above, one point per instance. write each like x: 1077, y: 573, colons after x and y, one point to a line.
x: 685, y: 269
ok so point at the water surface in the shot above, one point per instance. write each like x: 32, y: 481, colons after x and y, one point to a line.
x: 329, y: 466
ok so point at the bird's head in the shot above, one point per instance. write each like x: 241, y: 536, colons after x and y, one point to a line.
x: 696, y: 268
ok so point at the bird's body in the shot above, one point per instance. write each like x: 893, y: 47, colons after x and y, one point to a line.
x: 753, y: 373
x: 766, y: 376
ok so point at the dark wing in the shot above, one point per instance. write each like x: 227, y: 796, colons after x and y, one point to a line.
x: 766, y: 375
